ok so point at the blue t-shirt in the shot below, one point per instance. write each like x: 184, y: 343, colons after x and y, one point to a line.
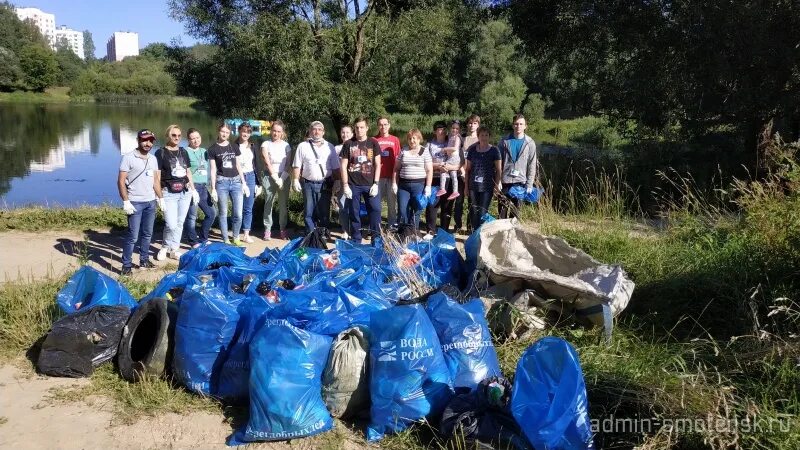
x: 482, y: 168
x: 514, y: 147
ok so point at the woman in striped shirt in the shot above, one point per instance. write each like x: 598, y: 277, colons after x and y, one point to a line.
x: 413, y: 174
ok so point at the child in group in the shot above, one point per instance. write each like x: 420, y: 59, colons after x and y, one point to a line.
x: 452, y: 157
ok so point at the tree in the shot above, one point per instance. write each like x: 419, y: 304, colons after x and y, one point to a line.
x: 10, y: 72
x: 39, y: 65
x: 156, y: 50
x: 70, y: 65
x: 88, y: 46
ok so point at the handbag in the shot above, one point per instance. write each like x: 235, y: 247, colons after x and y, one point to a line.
x: 327, y: 183
x: 176, y: 186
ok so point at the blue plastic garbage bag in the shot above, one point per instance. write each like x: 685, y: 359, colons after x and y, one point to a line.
x: 409, y: 379
x: 473, y: 245
x: 421, y: 201
x: 315, y: 309
x: 88, y: 287
x: 235, y: 373
x: 440, y: 262
x: 171, y: 286
x: 466, y: 342
x: 549, y: 397
x: 286, y: 365
x: 213, y: 255
x: 206, y: 325
x: 361, y: 294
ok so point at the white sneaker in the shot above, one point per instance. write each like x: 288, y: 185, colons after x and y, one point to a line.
x: 428, y: 237
x: 175, y: 254
x: 162, y: 254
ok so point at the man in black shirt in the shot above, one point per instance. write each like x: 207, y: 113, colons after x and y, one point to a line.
x: 361, y: 169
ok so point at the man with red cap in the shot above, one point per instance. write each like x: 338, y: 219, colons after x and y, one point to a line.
x: 140, y: 189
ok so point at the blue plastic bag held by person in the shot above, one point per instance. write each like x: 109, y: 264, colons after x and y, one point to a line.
x: 203, y: 333
x: 286, y: 365
x: 519, y: 192
x: 466, y: 342
x: 88, y: 288
x: 409, y: 379
x: 549, y: 397
x: 235, y: 373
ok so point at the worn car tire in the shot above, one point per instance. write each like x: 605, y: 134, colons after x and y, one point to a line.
x: 147, y: 340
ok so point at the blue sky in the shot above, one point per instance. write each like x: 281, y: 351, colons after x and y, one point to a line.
x: 149, y: 18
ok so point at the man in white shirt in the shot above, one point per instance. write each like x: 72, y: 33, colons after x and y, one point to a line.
x: 317, y: 165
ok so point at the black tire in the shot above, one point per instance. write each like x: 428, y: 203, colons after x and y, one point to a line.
x: 147, y: 340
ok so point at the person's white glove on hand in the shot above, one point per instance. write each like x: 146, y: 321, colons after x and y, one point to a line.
x: 245, y: 190
x: 373, y: 191
x: 394, y: 188
x: 214, y: 196
x: 195, y: 197
x: 162, y: 205
x: 500, y: 186
x: 278, y: 181
x: 296, y: 186
x: 258, y: 190
x: 348, y: 193
x: 427, y: 191
x: 529, y: 190
x: 128, y: 207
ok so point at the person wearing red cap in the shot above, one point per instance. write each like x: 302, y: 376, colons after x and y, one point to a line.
x: 139, y: 186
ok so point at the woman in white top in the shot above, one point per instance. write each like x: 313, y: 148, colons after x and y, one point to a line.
x: 247, y: 163
x: 276, y: 153
x: 413, y: 175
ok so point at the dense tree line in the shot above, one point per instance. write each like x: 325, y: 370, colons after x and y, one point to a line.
x: 665, y: 69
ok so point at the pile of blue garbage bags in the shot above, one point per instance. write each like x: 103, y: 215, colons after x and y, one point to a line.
x: 303, y: 335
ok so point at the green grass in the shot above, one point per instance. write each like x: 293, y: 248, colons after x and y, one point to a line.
x: 51, y: 95
x: 39, y: 218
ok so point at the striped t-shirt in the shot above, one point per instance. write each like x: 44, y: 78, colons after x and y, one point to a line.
x: 412, y: 164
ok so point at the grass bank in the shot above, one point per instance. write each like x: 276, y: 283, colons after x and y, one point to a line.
x: 61, y: 95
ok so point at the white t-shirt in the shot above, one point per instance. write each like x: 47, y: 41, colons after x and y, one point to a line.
x: 246, y: 158
x: 326, y: 157
x: 279, y: 152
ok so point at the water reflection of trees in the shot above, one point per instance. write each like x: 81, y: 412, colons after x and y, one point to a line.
x: 29, y: 133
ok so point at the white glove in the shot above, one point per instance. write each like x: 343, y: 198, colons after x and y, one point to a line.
x: 214, y: 196
x: 394, y: 188
x: 258, y: 190
x: 373, y: 191
x: 278, y: 181
x: 161, y: 204
x: 296, y: 186
x: 427, y: 191
x: 529, y: 190
x: 128, y: 207
x: 500, y: 186
x: 245, y: 190
x: 348, y: 193
x: 195, y: 197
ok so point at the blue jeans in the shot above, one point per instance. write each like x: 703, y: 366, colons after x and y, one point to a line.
x: 406, y: 192
x: 317, y: 204
x: 140, y: 227
x: 373, y: 208
x: 175, y: 208
x: 247, y: 206
x: 229, y: 186
x: 191, y: 217
x: 479, y: 205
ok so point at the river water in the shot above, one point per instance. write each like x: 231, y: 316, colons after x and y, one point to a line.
x: 68, y: 155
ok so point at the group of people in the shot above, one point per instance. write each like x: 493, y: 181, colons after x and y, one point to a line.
x: 357, y: 176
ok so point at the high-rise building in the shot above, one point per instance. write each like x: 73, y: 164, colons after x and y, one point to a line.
x: 74, y: 39
x: 122, y: 44
x: 44, y: 21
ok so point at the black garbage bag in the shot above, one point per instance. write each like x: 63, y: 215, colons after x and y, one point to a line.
x: 318, y: 238
x: 482, y: 418
x: 82, y: 341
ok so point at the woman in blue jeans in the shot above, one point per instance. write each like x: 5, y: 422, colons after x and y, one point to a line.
x: 483, y: 176
x: 247, y: 165
x: 199, y: 161
x: 413, y: 174
x: 227, y: 179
